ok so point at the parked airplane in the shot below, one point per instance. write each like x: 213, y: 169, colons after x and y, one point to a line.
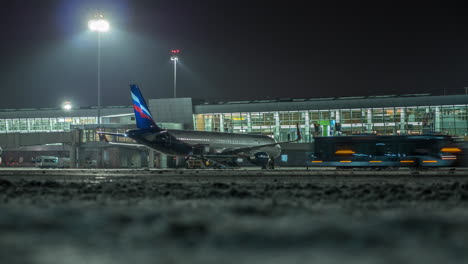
x: 207, y: 146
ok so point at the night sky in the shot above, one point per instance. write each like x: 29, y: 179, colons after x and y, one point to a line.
x: 231, y: 50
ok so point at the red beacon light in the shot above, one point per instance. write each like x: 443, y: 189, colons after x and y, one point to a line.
x: 175, y: 51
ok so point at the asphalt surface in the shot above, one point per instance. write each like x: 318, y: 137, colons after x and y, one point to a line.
x: 236, y: 216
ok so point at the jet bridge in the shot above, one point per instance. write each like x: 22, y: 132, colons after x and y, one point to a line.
x: 86, y: 150
x: 14, y: 140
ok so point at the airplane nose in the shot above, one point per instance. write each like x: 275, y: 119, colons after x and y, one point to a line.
x: 278, y: 149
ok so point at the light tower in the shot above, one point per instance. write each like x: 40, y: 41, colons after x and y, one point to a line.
x: 175, y: 58
x: 99, y: 25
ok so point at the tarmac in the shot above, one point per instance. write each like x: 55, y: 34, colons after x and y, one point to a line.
x: 289, y: 215
x: 249, y: 171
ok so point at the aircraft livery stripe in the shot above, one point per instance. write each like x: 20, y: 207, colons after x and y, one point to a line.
x: 138, y: 109
x: 136, y: 102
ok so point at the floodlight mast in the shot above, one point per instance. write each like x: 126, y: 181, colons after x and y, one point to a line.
x: 175, y: 58
x: 99, y: 25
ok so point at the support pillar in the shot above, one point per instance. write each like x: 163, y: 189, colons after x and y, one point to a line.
x: 80, y: 157
x: 403, y: 121
x: 337, y: 120
x: 249, y: 123
x: 307, y: 127
x: 75, y: 139
x: 151, y: 158
x: 437, y: 119
x: 337, y: 116
x: 99, y: 158
x: 369, y: 120
x: 72, y: 156
x: 221, y: 122
x: 208, y: 123
x: 163, y: 160
x: 277, y: 126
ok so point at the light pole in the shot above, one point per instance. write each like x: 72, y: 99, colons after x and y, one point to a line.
x: 175, y: 58
x: 99, y: 25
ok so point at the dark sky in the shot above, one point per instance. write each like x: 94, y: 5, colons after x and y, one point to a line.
x: 231, y: 50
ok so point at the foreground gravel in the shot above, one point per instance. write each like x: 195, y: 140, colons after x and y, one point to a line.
x: 229, y: 219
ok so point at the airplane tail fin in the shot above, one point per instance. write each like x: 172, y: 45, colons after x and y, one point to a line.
x: 143, y: 116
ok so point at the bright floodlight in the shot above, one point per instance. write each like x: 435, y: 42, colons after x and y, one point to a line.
x: 67, y: 106
x: 100, y: 25
x: 174, y: 58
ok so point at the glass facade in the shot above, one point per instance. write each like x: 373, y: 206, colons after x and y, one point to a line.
x: 445, y: 119
x: 55, y: 124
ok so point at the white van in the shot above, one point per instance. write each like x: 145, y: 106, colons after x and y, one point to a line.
x: 47, y: 162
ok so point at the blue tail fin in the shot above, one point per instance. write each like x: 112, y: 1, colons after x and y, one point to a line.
x: 143, y: 116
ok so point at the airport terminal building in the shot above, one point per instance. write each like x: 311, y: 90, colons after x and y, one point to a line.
x: 381, y: 115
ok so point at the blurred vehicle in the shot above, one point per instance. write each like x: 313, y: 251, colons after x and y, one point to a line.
x: 51, y: 162
x: 46, y: 162
x: 386, y: 151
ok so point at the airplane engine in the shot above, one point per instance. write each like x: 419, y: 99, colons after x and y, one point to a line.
x: 260, y: 158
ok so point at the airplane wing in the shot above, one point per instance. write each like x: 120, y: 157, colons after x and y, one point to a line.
x: 102, y: 137
x: 135, y: 145
x: 247, y: 149
x: 112, y: 134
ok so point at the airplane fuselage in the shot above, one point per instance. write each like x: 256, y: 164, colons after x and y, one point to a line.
x: 186, y: 142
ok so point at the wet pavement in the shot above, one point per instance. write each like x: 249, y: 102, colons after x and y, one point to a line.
x: 236, y: 216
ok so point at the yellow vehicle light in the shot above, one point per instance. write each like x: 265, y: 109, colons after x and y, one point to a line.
x: 406, y: 161
x: 375, y: 161
x: 345, y: 161
x: 317, y: 161
x: 344, y: 152
x: 451, y: 150
x: 429, y: 161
